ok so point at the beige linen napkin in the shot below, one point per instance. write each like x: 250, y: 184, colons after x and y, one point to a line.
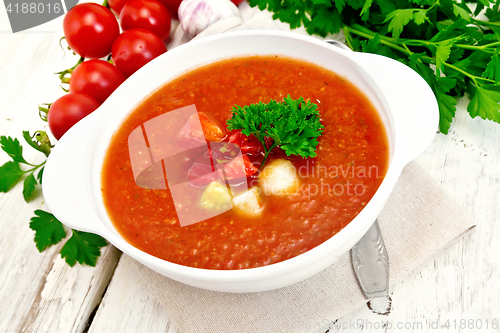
x: 418, y: 219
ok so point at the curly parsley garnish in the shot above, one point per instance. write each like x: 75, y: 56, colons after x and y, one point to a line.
x: 294, y: 125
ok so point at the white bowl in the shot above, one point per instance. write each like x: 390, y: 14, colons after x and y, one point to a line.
x: 72, y: 176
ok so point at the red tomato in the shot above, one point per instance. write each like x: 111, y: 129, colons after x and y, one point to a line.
x: 67, y: 111
x: 250, y: 169
x: 211, y: 130
x: 116, y: 6
x: 134, y: 48
x: 237, y: 2
x: 90, y: 30
x: 96, y: 78
x: 146, y: 14
x: 172, y: 6
x: 248, y: 144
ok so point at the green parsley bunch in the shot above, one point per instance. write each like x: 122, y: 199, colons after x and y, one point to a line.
x: 443, y: 40
x: 82, y: 247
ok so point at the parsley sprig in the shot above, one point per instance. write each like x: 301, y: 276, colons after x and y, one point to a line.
x: 294, y: 125
x: 442, y: 40
x: 82, y: 247
x: 11, y: 172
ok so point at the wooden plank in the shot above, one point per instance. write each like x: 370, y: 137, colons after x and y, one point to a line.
x: 39, y: 292
x: 128, y: 306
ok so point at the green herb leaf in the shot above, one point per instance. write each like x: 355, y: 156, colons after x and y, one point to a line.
x: 324, y: 2
x: 48, y: 229
x: 339, y: 4
x: 83, y: 247
x: 324, y: 23
x: 293, y: 125
x: 492, y: 70
x: 13, y: 148
x: 40, y: 175
x: 398, y: 19
x: 30, y: 141
x: 365, y: 11
x: 420, y: 16
x: 374, y: 46
x: 10, y: 174
x: 442, y: 54
x: 42, y: 142
x: 447, y: 107
x: 461, y: 12
x: 484, y: 103
x: 29, y: 187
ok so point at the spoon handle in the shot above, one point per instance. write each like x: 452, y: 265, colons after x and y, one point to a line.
x: 371, y: 263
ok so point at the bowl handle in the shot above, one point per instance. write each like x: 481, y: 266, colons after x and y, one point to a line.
x: 413, y: 104
x: 64, y: 187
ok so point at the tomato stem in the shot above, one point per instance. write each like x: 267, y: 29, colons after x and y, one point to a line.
x: 44, y: 111
x: 63, y: 74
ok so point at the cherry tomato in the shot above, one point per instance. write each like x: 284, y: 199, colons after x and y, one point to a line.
x: 147, y: 14
x: 172, y: 6
x: 90, y: 30
x: 134, y: 48
x: 96, y: 78
x: 67, y: 111
x: 116, y: 6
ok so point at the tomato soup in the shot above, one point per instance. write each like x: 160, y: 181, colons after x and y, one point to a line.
x: 333, y: 187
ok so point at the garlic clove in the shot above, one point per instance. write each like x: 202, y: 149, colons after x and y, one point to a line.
x: 196, y: 15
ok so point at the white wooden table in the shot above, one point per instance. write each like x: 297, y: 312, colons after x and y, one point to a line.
x: 40, y: 293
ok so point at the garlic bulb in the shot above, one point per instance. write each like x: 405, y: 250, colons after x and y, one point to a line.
x: 196, y: 15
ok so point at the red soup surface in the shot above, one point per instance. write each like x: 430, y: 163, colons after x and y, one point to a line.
x: 352, y: 159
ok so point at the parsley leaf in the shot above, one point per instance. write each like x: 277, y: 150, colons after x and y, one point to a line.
x: 324, y: 24
x: 83, y: 247
x: 30, y: 141
x: 42, y: 142
x: 29, y: 187
x: 442, y: 54
x: 40, y: 175
x: 484, y: 103
x: 492, y: 70
x: 447, y: 107
x: 13, y: 148
x: 10, y: 174
x: 365, y: 11
x: 398, y: 19
x: 294, y: 125
x: 461, y: 12
x: 325, y: 2
x: 48, y: 229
